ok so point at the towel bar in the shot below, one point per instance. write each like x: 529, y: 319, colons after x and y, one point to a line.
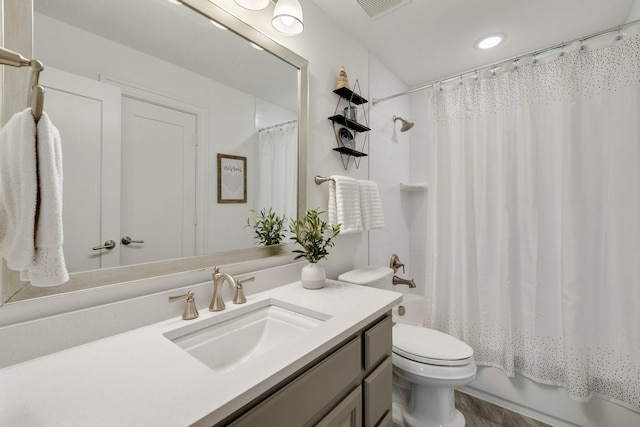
x: 320, y: 179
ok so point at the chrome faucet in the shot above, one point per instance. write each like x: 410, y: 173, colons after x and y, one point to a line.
x: 400, y: 281
x: 217, y: 304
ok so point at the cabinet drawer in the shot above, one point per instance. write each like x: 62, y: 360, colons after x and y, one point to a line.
x: 347, y: 414
x: 309, y: 394
x: 377, y: 343
x: 377, y: 394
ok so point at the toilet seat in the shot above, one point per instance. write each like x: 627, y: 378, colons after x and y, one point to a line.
x: 429, y: 346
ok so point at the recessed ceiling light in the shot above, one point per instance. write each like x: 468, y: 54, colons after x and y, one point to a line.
x: 255, y: 46
x: 490, y: 41
x: 175, y: 1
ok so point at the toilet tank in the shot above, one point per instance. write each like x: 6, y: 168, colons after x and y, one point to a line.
x: 378, y: 277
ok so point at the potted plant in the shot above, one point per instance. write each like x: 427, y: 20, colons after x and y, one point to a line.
x: 267, y: 227
x: 315, y: 236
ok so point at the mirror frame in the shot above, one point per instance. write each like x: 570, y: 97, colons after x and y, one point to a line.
x: 13, y: 290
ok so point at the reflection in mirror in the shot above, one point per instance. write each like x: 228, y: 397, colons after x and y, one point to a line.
x: 145, y: 95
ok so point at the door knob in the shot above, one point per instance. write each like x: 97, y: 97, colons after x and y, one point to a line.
x: 109, y: 244
x: 126, y: 240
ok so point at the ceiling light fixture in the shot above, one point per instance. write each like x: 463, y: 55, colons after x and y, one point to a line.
x: 489, y: 42
x: 287, y: 14
x: 287, y: 17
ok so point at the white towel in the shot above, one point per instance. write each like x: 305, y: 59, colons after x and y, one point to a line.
x: 18, y: 190
x: 31, y: 199
x: 371, y: 205
x: 344, y: 204
x: 48, y: 268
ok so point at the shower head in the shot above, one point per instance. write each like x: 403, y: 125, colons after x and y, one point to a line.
x: 405, y: 124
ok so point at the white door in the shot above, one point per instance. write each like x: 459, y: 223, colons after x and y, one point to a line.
x: 87, y: 113
x: 158, y: 182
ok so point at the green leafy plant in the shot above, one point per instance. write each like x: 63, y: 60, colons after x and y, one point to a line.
x: 267, y: 227
x: 309, y: 232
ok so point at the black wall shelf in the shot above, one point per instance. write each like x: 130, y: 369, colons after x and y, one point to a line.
x: 350, y: 98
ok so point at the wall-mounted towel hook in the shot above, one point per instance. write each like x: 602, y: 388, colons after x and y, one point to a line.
x: 36, y: 94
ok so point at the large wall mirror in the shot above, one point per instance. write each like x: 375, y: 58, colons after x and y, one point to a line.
x: 147, y: 94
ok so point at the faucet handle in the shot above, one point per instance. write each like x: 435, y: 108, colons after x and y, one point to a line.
x: 395, y: 263
x: 190, y: 310
x: 238, y: 297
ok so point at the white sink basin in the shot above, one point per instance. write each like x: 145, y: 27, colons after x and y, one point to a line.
x: 227, y: 341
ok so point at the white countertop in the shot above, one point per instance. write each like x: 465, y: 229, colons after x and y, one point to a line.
x: 141, y: 378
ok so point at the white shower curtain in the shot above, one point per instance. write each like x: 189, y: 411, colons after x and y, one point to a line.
x: 277, y: 185
x: 537, y: 263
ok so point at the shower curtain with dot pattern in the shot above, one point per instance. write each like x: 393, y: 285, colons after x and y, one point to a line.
x: 537, y: 209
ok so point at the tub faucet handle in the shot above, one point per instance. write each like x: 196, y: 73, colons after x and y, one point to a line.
x: 190, y: 310
x: 395, y: 263
x: 238, y: 297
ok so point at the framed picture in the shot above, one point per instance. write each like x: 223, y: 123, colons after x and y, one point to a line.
x: 232, y: 179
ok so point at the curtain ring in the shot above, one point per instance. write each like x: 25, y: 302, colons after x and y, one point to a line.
x: 475, y: 72
x: 562, y: 52
x: 582, y: 46
x: 515, y: 63
x: 619, y: 37
x: 535, y: 59
x: 460, y: 79
x: 493, y: 70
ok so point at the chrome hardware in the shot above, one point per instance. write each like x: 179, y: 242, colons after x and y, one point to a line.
x: 109, y: 244
x: 126, y: 240
x: 217, y: 304
x: 190, y: 310
x: 395, y: 263
x: 238, y: 297
x: 400, y: 281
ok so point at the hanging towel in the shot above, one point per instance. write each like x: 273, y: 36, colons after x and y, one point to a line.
x: 31, y: 199
x: 18, y: 190
x: 371, y: 205
x: 344, y: 204
x: 48, y: 268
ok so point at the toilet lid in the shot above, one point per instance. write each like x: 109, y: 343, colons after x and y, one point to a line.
x: 430, y: 346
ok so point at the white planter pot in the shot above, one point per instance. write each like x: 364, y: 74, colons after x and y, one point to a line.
x: 313, y: 276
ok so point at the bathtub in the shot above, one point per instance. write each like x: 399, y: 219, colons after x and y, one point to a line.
x: 415, y: 310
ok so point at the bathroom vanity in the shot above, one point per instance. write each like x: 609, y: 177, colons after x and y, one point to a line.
x: 321, y: 357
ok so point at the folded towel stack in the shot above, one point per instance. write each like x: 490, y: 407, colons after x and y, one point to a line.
x: 31, y: 199
x: 355, y: 204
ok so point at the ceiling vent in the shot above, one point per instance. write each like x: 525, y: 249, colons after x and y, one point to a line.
x: 377, y: 8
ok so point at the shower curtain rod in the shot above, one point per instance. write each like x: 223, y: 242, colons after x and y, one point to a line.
x: 534, y: 53
x: 276, y: 126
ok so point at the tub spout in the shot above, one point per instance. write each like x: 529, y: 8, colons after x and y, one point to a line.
x: 400, y: 281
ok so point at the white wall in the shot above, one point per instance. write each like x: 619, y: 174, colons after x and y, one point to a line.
x: 634, y: 13
x: 390, y: 166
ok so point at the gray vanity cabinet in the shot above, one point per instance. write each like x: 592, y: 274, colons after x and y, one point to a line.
x: 349, y: 387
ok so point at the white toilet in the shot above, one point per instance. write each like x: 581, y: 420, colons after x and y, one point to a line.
x: 427, y: 365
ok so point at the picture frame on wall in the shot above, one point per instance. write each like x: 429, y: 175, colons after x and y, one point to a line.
x: 232, y: 179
